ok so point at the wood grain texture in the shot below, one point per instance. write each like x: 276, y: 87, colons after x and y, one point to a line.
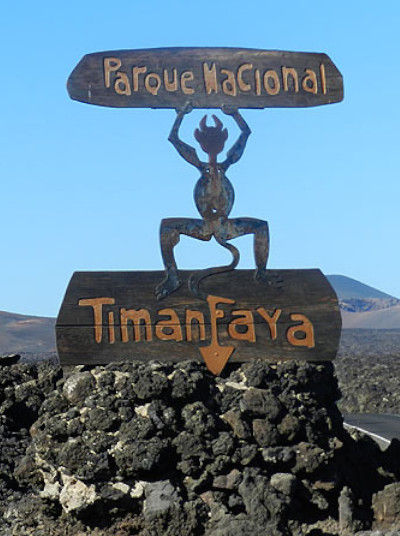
x: 168, y: 333
x: 206, y: 77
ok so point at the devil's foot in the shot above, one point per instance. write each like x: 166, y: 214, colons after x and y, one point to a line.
x: 276, y: 282
x: 272, y: 280
x: 260, y: 275
x: 168, y: 285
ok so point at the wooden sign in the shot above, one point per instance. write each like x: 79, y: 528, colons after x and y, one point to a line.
x: 115, y: 316
x: 205, y: 77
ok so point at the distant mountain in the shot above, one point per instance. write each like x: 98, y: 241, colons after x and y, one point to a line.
x: 348, y: 288
x: 365, y: 307
x: 376, y: 319
x: 21, y: 333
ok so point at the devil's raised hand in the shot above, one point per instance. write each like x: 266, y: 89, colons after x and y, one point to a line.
x: 229, y: 110
x: 185, y: 109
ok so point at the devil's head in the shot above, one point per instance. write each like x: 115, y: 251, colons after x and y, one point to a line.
x: 211, y: 139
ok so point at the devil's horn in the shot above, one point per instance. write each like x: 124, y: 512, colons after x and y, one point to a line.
x: 218, y: 122
x: 203, y: 123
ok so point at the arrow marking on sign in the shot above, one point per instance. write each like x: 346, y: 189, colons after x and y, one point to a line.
x: 215, y: 355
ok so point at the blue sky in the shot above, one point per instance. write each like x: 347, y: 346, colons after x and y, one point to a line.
x: 85, y: 187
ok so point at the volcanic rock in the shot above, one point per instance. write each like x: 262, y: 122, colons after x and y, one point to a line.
x: 169, y: 449
x: 11, y: 359
x: 386, y: 506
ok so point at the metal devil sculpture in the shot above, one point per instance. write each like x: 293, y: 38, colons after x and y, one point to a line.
x: 214, y: 197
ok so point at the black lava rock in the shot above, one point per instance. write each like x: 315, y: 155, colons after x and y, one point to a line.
x: 154, y: 449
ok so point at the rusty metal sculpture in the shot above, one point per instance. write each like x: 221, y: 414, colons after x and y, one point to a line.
x: 214, y: 197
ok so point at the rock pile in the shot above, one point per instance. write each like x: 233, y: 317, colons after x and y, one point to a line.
x: 23, y: 389
x: 155, y: 449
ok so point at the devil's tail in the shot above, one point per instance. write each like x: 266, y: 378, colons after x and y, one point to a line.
x: 194, y: 279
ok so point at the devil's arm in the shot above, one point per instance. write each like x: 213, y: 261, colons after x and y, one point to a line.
x: 236, y: 151
x: 186, y: 151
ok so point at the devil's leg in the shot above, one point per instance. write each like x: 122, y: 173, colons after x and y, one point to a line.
x: 233, y: 228
x: 170, y: 231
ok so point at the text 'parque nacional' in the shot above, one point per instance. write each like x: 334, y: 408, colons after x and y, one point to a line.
x: 246, y: 79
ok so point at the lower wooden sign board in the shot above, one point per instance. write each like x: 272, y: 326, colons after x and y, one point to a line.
x: 115, y: 316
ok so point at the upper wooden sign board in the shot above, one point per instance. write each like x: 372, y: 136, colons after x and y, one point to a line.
x: 206, y: 77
